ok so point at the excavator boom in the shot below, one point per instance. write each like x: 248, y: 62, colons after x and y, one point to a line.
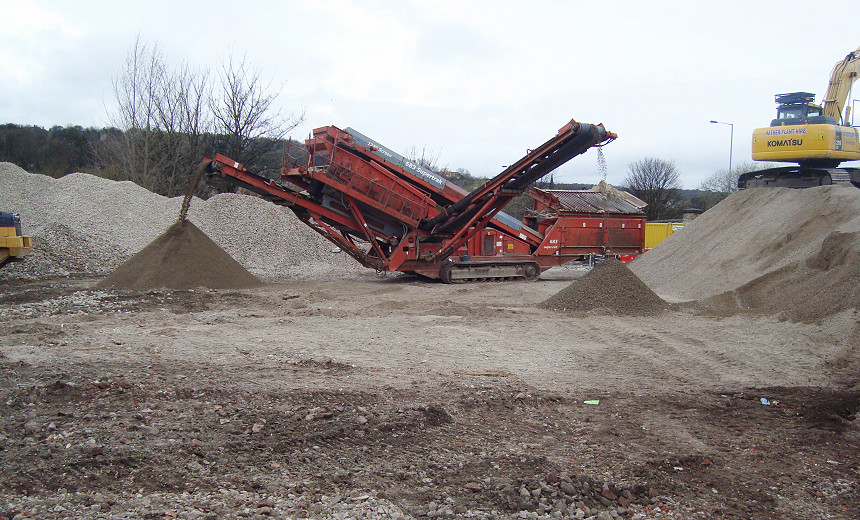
x: 841, y: 79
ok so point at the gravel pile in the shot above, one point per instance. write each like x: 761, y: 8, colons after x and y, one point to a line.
x: 82, y: 224
x: 57, y: 252
x: 610, y: 286
x: 811, y: 291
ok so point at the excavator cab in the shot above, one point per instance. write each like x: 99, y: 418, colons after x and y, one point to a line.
x: 798, y: 108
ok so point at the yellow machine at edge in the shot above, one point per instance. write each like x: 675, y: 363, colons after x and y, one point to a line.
x: 13, y: 244
x: 816, y: 138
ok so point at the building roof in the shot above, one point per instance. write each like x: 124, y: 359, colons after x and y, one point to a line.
x: 593, y: 202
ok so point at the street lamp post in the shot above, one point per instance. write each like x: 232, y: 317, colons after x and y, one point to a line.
x: 731, y: 140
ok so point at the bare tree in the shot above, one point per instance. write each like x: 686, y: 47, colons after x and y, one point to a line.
x: 656, y: 182
x: 184, y: 121
x: 245, y: 115
x: 162, y: 121
x: 723, y: 183
x: 129, y: 152
x: 166, y: 119
x: 196, y: 118
x: 426, y: 158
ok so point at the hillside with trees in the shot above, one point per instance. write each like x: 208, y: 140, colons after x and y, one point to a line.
x: 61, y: 150
x: 55, y: 152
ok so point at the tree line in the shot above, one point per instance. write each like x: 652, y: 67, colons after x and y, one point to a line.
x: 60, y: 150
x: 657, y: 182
x: 55, y: 151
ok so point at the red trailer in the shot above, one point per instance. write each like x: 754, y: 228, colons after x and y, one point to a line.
x: 582, y: 222
x: 391, y: 214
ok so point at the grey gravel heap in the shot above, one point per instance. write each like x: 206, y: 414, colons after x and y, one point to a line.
x: 83, y: 224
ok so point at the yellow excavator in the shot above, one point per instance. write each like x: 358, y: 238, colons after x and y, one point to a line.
x: 816, y: 138
x: 13, y: 244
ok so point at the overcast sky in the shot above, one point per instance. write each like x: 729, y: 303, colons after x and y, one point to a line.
x: 477, y: 82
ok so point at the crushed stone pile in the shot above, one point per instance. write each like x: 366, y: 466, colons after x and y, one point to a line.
x: 609, y: 286
x: 87, y: 225
x: 182, y: 257
x: 794, y: 253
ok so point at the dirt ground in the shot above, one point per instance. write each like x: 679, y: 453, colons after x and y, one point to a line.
x: 390, y: 396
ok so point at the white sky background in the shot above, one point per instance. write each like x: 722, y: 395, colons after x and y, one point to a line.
x: 477, y: 82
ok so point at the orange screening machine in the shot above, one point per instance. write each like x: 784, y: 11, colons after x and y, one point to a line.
x: 392, y: 214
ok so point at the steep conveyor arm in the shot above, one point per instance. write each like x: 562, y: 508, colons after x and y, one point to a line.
x: 573, y: 139
x: 464, y: 218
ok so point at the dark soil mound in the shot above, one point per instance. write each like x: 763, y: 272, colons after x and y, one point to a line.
x: 610, y: 286
x: 182, y: 257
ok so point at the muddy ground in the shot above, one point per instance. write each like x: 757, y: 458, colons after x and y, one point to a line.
x: 380, y: 397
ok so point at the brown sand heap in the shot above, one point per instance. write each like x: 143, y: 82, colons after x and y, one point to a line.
x: 610, y: 286
x: 810, y: 291
x: 794, y: 253
x: 182, y: 257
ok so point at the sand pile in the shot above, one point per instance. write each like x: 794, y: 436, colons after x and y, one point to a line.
x: 788, y: 252
x: 182, y: 257
x: 825, y: 284
x: 82, y: 224
x: 609, y: 286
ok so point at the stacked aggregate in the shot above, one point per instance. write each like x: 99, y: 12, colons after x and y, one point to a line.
x: 610, y: 286
x: 182, y: 257
x: 82, y: 224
